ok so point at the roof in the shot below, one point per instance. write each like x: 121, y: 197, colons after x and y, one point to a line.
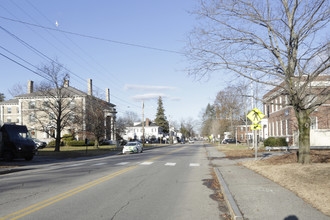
x: 151, y: 124
x: 10, y: 102
x: 68, y: 91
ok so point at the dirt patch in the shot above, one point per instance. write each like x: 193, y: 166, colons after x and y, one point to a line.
x: 310, y: 182
x: 217, y: 195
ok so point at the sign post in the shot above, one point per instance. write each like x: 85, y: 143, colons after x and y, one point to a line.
x: 255, y: 116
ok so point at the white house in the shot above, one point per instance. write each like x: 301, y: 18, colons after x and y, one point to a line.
x: 151, y: 131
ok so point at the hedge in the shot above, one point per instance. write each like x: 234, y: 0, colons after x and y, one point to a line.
x: 71, y: 143
x: 79, y: 143
x: 275, y: 142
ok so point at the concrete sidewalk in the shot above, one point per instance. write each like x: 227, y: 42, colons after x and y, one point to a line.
x: 252, y: 196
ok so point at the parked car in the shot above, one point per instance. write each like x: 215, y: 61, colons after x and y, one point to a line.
x: 40, y: 144
x: 132, y: 147
x: 108, y: 142
x: 230, y: 141
x: 191, y: 141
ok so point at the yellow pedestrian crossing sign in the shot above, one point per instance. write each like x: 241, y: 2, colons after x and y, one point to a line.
x: 256, y: 127
x: 255, y: 115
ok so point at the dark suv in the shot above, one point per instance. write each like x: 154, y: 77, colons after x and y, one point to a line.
x: 230, y: 141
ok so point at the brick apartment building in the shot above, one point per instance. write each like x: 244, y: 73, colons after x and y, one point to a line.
x: 281, y: 120
x: 21, y: 110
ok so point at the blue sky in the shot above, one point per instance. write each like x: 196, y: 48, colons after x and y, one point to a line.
x: 131, y: 72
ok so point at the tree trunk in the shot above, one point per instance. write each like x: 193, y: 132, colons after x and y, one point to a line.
x: 304, y: 136
x: 58, y: 138
x: 97, y: 142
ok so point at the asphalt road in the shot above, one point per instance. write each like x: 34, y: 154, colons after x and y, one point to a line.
x: 162, y: 183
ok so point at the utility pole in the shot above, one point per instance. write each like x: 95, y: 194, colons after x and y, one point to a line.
x: 143, y: 123
x: 169, y: 129
x: 252, y: 107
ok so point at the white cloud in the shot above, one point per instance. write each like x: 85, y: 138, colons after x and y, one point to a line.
x: 148, y: 87
x: 148, y: 96
x: 175, y: 98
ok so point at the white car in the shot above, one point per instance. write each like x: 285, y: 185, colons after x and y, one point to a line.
x: 132, y: 147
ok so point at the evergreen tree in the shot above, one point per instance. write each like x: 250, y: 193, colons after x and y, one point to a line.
x: 209, y: 115
x: 160, y: 116
x: 2, y: 97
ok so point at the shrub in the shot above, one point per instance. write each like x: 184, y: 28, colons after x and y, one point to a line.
x: 79, y: 143
x: 52, y: 143
x: 275, y: 142
x: 67, y: 138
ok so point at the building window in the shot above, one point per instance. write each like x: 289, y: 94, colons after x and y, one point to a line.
x: 51, y: 116
x: 32, y: 118
x: 273, y: 128
x: 286, y: 127
x: 314, y: 124
x: 277, y: 127
x: 267, y: 111
x: 32, y: 105
x: 9, y: 120
x: 17, y: 109
x: 45, y: 104
x: 72, y: 105
x: 9, y: 110
x: 17, y: 120
x: 281, y: 128
x: 275, y: 104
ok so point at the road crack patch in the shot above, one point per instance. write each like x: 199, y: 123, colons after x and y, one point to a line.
x: 121, y: 208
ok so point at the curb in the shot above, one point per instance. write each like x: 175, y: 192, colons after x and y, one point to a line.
x: 232, y: 206
x: 229, y: 199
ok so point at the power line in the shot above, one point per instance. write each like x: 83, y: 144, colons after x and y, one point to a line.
x: 24, y: 66
x: 93, y: 37
x: 72, y: 42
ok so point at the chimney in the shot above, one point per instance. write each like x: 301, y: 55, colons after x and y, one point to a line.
x: 66, y: 83
x: 90, y: 88
x: 107, y: 91
x: 30, y: 87
x: 147, y: 122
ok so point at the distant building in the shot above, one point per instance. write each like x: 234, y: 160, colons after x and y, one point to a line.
x: 21, y: 110
x: 151, y: 131
x: 281, y: 121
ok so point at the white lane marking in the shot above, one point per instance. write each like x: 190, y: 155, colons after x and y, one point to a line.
x: 122, y: 163
x: 170, y: 164
x: 74, y: 165
x: 194, y: 164
x: 146, y: 163
x: 99, y: 164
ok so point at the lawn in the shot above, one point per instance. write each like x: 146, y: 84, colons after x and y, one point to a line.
x: 234, y: 151
x: 78, y: 151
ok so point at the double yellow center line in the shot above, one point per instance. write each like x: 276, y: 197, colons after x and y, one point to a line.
x: 40, y: 205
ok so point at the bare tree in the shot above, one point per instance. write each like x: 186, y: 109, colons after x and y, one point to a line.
x: 269, y: 42
x: 95, y: 118
x: 187, y: 128
x: 2, y: 97
x: 126, y: 120
x: 57, y: 110
x: 228, y: 103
